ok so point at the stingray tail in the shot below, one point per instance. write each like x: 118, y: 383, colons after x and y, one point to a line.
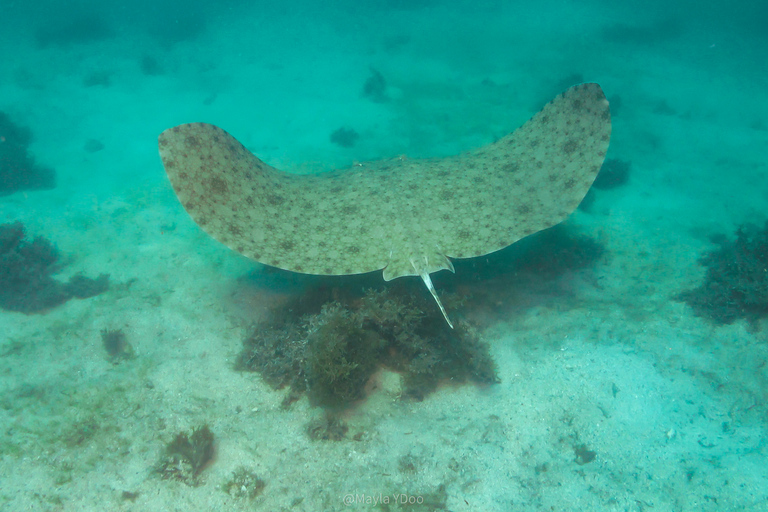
x: 428, y: 281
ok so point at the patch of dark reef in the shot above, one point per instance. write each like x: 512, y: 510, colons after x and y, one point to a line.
x: 659, y: 31
x: 244, y: 483
x: 344, y: 137
x: 329, y: 342
x: 327, y: 428
x: 26, y: 270
x: 736, y: 283
x: 614, y: 173
x: 18, y: 170
x: 186, y: 456
x: 537, y: 270
x: 116, y: 344
x: 150, y: 66
x: 333, y: 334
x: 74, y: 28
x: 375, y: 87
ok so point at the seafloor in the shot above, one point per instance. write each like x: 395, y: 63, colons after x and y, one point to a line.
x: 613, y: 395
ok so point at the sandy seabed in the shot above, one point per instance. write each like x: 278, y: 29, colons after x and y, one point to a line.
x: 612, y: 397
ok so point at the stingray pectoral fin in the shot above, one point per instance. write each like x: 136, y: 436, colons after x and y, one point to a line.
x: 322, y: 224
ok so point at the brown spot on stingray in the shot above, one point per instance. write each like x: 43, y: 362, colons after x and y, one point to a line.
x: 510, y: 167
x: 217, y: 185
x: 570, y: 146
x: 235, y: 230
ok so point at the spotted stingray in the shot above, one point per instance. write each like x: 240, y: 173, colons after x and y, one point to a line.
x: 406, y: 216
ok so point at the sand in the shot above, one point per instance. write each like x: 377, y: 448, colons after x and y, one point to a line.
x: 613, y: 396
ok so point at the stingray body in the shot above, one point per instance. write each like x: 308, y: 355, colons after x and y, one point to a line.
x: 405, y: 216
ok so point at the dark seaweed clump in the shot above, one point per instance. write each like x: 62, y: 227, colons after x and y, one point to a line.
x: 150, y: 66
x: 613, y: 174
x: 74, y: 28
x: 653, y: 33
x: 538, y: 269
x: 736, y: 283
x: 187, y: 455
x: 375, y: 87
x: 583, y: 455
x: 18, y: 170
x: 116, y: 344
x: 98, y: 78
x: 327, y: 428
x: 26, y: 269
x: 344, y: 137
x: 244, y: 483
x: 332, y: 354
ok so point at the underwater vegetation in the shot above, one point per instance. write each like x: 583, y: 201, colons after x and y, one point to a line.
x: 186, y: 456
x: 553, y: 252
x: 375, y: 87
x: 329, y: 340
x: 344, y: 137
x: 665, y: 29
x: 533, y: 270
x: 18, y: 170
x: 26, y: 269
x: 331, y: 353
x: 614, y: 173
x: 98, y: 78
x: 736, y: 283
x: 150, y: 66
x: 116, y: 344
x: 73, y: 28
x: 93, y: 146
x: 244, y: 484
x: 327, y: 428
x: 583, y: 455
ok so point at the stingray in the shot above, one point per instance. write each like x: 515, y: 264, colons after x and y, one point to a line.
x: 406, y: 216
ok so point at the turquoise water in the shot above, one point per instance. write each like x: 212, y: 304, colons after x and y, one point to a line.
x: 613, y: 392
